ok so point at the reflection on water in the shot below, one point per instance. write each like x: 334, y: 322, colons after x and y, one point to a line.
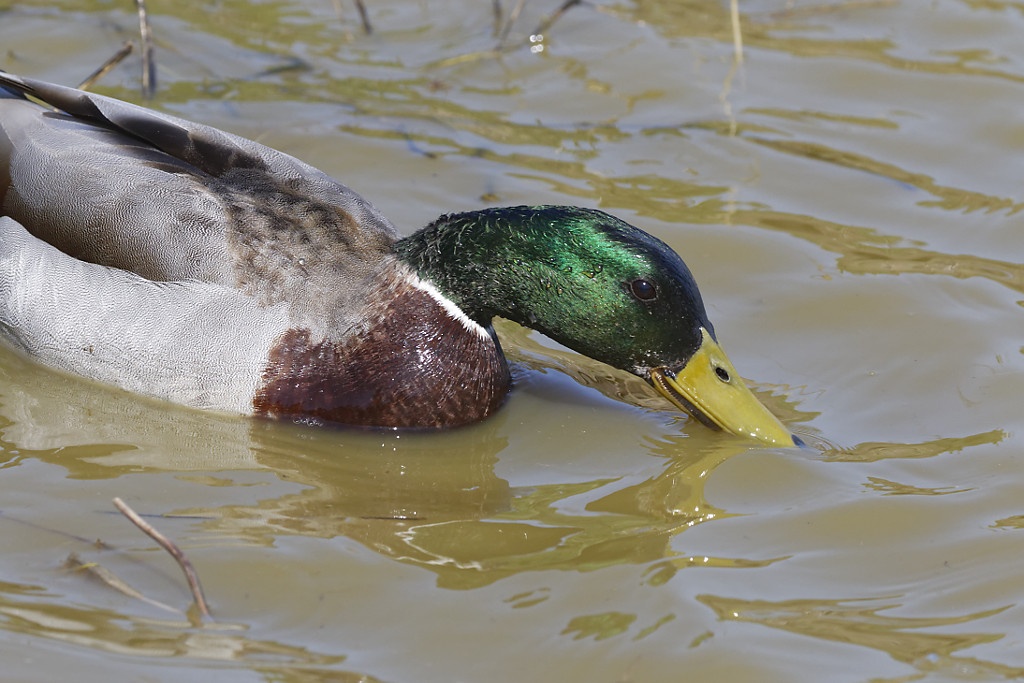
x: 875, y: 451
x: 858, y: 622
x: 451, y: 513
x: 44, y: 412
x: 454, y: 516
x: 433, y: 502
x: 948, y: 198
x: 565, y: 524
x: 865, y: 252
x: 895, y: 488
x: 110, y: 632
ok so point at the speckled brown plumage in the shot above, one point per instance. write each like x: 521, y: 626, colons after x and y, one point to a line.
x: 414, y: 366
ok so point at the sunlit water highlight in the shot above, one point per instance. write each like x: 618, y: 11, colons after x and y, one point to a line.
x: 850, y: 201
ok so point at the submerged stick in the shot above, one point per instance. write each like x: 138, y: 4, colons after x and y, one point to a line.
x: 512, y: 16
x: 364, y: 17
x: 496, y: 7
x: 99, y: 73
x: 555, y: 16
x: 167, y: 544
x: 98, y: 571
x: 146, y: 39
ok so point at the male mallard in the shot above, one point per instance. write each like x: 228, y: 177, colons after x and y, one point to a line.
x: 182, y: 262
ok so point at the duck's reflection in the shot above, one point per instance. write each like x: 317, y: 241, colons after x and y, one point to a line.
x: 448, y: 511
x: 431, y: 500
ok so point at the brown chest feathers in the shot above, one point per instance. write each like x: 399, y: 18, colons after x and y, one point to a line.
x: 415, y: 365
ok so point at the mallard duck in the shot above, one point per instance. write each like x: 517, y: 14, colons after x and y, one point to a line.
x: 178, y: 261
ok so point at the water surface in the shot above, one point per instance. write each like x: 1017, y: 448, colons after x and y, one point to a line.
x: 849, y: 198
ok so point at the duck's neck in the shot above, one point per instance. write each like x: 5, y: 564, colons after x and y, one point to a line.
x: 495, y: 262
x: 459, y: 253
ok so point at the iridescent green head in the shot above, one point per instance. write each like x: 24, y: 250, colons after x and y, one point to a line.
x: 597, y: 285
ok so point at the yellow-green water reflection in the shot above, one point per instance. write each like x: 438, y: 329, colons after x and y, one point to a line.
x: 849, y: 200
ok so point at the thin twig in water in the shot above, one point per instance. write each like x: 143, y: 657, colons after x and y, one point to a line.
x: 502, y: 30
x: 190, y: 573
x: 364, y: 17
x: 496, y: 6
x: 94, y: 569
x: 99, y: 73
x: 146, y: 40
x: 548, y: 22
x: 512, y: 16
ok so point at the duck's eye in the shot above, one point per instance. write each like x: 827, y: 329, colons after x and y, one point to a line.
x: 643, y: 290
x: 722, y: 373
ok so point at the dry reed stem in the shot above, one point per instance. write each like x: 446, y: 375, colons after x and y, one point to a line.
x: 190, y: 573
x: 734, y: 68
x: 148, y: 63
x: 99, y: 73
x: 737, y: 33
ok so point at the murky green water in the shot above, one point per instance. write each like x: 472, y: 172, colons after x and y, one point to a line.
x: 850, y: 201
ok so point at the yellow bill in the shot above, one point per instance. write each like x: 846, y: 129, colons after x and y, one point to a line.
x: 709, y: 388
